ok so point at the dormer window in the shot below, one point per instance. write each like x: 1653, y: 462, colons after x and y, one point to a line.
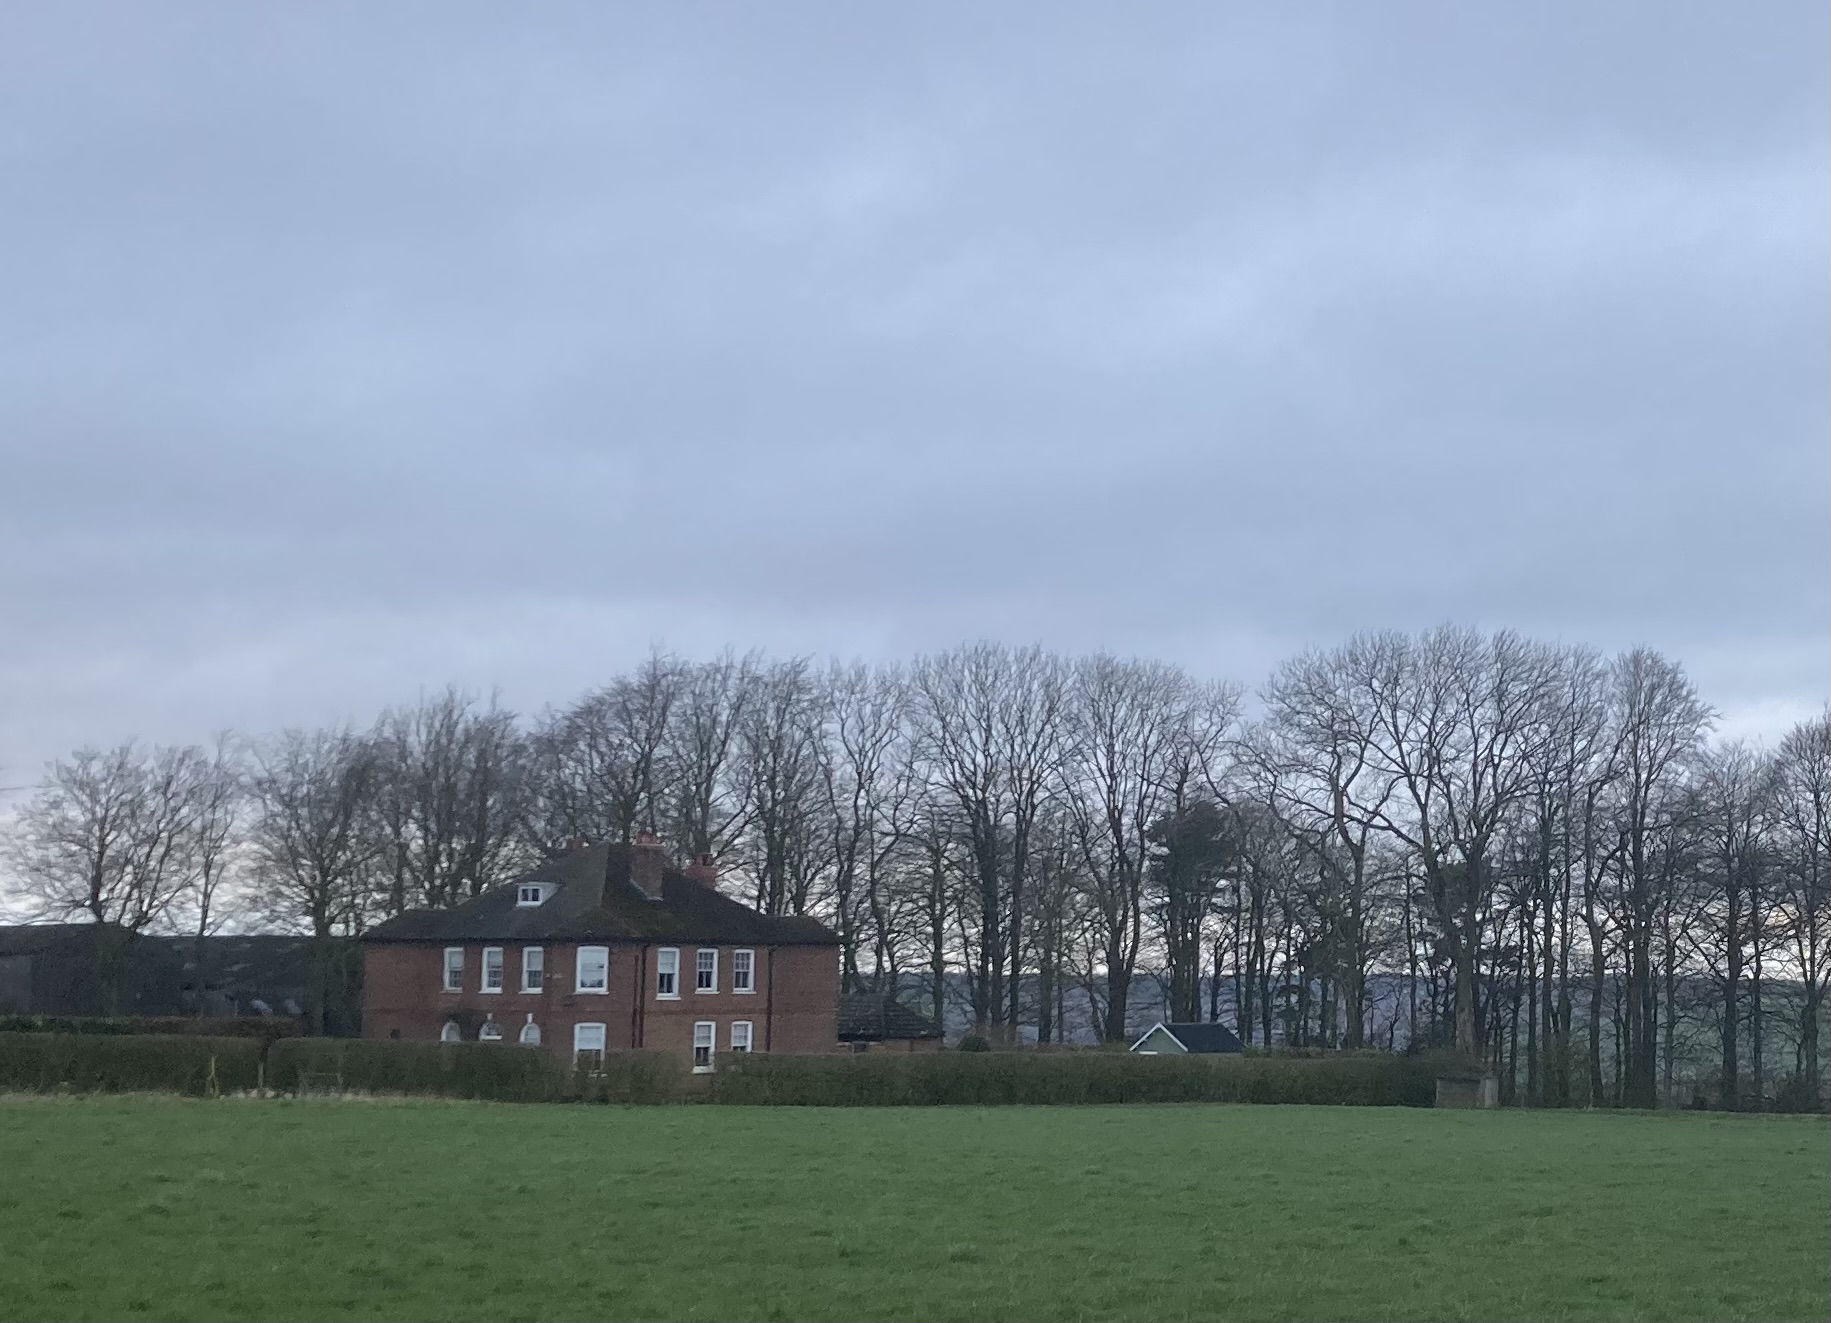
x: 530, y: 893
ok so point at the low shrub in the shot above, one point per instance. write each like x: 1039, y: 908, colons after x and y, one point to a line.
x: 974, y: 1043
x: 103, y: 1062
x: 1796, y: 1094
x: 994, y: 1079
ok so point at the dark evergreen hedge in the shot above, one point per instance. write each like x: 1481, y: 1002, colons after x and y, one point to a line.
x: 115, y: 1062
x: 493, y: 1071
x: 123, y: 1063
x: 1372, y: 1079
x: 450, y: 1070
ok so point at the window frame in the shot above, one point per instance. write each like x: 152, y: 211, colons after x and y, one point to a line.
x: 700, y: 969
x: 600, y: 1049
x: 451, y: 1032
x: 578, y: 972
x: 447, y: 983
x: 744, y: 960
x: 750, y: 1037
x: 710, y: 1047
x: 662, y: 954
x: 540, y: 969
x: 521, y: 1035
x: 521, y: 895
x: 489, y: 1031
x: 483, y: 973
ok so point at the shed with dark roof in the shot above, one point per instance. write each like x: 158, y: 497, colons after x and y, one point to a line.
x: 871, y: 1020
x: 1165, y: 1038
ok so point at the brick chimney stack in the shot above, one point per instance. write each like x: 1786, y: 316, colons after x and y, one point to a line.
x: 646, y: 860
x: 703, y: 870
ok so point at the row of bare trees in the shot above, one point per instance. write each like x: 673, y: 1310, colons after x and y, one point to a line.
x: 1526, y: 850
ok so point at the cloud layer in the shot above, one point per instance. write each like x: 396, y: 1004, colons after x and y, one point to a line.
x: 346, y: 352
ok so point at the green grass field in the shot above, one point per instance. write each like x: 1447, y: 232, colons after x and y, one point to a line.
x: 160, y: 1208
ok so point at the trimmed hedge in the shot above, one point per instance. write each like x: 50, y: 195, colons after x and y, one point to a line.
x: 491, y: 1071
x: 123, y: 1063
x: 65, y: 1024
x: 997, y: 1079
x: 449, y: 1070
x: 114, y: 1062
x: 235, y: 1026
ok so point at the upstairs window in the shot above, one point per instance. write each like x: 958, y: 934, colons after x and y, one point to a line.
x: 667, y: 972
x: 492, y: 970
x: 530, y: 893
x: 705, y: 970
x: 454, y: 969
x: 704, y: 1034
x: 740, y: 1035
x: 594, y: 969
x: 533, y: 968
x: 451, y: 1033
x: 743, y: 971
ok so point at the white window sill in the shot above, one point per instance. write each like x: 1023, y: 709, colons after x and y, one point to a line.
x: 591, y: 992
x: 702, y: 1070
x: 526, y: 991
x: 704, y: 992
x: 490, y: 992
x: 667, y: 996
x: 743, y: 992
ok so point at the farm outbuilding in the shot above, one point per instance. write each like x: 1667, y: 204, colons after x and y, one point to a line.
x: 1165, y: 1039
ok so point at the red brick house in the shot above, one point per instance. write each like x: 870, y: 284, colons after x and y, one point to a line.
x: 606, y: 947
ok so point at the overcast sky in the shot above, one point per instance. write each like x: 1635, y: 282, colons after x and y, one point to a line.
x: 349, y: 350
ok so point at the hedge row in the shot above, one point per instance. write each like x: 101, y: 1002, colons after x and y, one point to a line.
x: 1003, y: 1078
x: 46, y: 1062
x: 238, y: 1026
x: 122, y: 1063
x: 495, y: 1072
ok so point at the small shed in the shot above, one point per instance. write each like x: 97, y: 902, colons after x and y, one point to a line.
x: 1165, y: 1039
x: 875, y: 1022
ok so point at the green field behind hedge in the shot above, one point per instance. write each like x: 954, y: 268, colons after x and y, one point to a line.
x: 280, y: 1209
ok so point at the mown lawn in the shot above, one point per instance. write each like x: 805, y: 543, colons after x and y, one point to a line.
x: 160, y: 1208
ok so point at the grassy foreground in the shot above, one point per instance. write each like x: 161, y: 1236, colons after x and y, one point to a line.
x: 161, y: 1208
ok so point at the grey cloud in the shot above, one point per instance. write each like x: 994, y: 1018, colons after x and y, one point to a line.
x: 345, y: 351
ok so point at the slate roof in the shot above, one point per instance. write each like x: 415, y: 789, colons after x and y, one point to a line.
x: 594, y: 898
x: 867, y: 1017
x: 31, y: 938
x: 1205, y: 1037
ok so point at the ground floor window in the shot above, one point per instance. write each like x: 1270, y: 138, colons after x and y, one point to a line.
x: 530, y: 1034
x: 451, y: 1033
x: 588, y: 1045
x: 740, y: 1035
x: 491, y: 1031
x: 704, y: 1034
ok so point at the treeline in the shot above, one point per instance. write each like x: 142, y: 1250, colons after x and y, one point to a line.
x: 1570, y: 877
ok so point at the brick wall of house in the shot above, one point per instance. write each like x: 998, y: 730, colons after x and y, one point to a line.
x: 806, y: 981
x: 794, y: 1007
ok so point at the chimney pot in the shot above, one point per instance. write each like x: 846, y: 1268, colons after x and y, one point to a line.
x: 703, y: 870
